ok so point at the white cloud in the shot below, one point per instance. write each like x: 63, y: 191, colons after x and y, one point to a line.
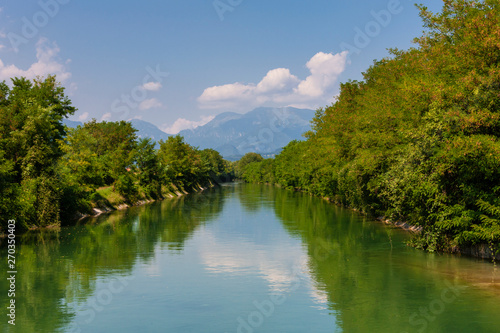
x: 280, y: 267
x: 325, y: 70
x: 276, y: 80
x: 47, y: 64
x: 83, y: 116
x: 219, y: 94
x: 152, y: 86
x: 182, y: 124
x: 106, y: 116
x: 149, y: 104
x: 279, y: 87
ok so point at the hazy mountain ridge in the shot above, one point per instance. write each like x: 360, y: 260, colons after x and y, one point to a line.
x: 263, y: 130
x: 72, y: 123
x: 148, y: 130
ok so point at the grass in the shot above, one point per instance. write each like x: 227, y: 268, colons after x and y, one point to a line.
x: 105, y: 196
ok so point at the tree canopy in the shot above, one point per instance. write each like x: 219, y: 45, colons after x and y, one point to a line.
x: 49, y: 173
x: 418, y: 138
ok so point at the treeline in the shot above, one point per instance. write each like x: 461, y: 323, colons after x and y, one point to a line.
x: 418, y: 139
x: 49, y: 172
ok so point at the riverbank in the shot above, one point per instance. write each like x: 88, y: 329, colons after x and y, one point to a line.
x: 108, y: 201
x: 479, y: 251
x: 112, y: 201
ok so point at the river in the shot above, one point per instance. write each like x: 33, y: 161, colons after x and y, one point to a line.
x: 243, y: 258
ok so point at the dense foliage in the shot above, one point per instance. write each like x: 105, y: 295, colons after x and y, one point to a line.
x: 48, y: 172
x: 416, y: 140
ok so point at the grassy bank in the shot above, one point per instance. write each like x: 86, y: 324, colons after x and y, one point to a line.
x: 107, y: 199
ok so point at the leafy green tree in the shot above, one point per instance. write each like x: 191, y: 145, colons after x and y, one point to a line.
x: 149, y: 168
x: 31, y: 127
x: 181, y: 162
x: 244, y: 161
x: 99, y: 153
x: 81, y: 159
x: 213, y: 164
x: 8, y: 190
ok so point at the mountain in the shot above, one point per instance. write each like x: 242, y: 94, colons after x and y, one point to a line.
x: 147, y: 130
x: 72, y: 123
x: 263, y: 130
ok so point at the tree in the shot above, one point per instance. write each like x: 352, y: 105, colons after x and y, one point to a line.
x: 31, y: 114
x: 149, y: 169
x: 244, y: 161
x: 213, y: 164
x: 99, y: 153
x: 180, y: 161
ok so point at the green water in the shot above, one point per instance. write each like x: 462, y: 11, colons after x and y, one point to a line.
x: 243, y: 258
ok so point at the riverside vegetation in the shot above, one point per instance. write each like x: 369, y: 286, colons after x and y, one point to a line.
x: 50, y: 173
x: 417, y: 140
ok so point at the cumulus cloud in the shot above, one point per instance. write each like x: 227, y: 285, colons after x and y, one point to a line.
x: 83, y: 116
x: 149, y: 104
x: 47, y: 64
x: 325, y: 70
x: 279, y: 87
x: 279, y: 266
x: 277, y: 80
x: 152, y: 86
x: 182, y: 124
x: 106, y: 116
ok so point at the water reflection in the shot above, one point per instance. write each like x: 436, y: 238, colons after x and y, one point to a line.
x: 58, y: 269
x: 375, y: 283
x: 200, y: 263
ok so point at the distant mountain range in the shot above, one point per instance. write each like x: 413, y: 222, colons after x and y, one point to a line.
x: 264, y: 130
x: 147, y: 130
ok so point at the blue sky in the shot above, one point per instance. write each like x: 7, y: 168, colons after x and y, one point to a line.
x: 179, y: 63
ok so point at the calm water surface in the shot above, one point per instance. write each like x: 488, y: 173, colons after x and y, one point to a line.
x: 244, y: 258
